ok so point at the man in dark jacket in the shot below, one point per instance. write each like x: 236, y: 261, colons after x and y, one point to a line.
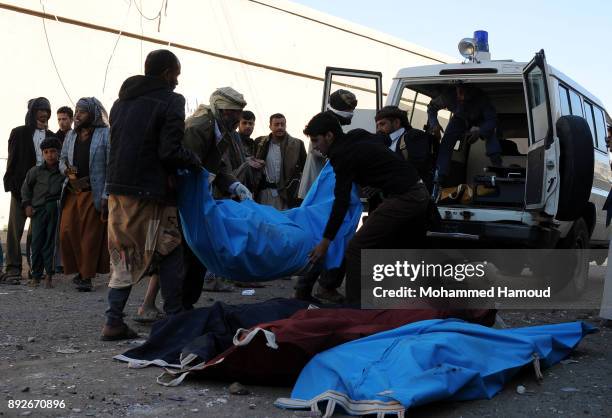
x: 65, y: 115
x: 474, y: 114
x: 411, y: 144
x: 284, y: 158
x: 23, y: 153
x: 147, y: 127
x: 245, y: 130
x: 358, y: 156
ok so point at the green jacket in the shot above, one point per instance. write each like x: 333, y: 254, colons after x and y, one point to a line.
x: 200, y: 138
x: 293, y: 154
x: 42, y: 184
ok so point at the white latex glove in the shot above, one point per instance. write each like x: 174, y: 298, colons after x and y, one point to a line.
x: 474, y: 134
x: 241, y: 191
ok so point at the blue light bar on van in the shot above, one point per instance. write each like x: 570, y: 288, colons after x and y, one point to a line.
x: 481, y: 38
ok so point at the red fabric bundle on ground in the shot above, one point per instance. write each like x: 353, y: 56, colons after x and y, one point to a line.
x: 274, y: 353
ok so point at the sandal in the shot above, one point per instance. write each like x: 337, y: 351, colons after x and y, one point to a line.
x: 33, y: 282
x: 11, y: 278
x: 126, y: 333
x: 148, y: 316
x: 14, y: 279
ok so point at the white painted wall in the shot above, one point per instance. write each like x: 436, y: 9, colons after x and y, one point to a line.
x: 252, y: 30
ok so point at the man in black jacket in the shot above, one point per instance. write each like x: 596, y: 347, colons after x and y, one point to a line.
x: 411, y: 144
x: 360, y: 157
x: 147, y: 127
x: 23, y: 153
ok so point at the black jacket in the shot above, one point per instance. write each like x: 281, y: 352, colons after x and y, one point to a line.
x: 361, y: 157
x: 21, y: 157
x: 421, y: 149
x: 21, y: 152
x: 147, y: 127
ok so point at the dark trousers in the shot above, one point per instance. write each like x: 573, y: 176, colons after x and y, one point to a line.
x: 194, y: 278
x: 44, y: 226
x: 328, y: 279
x: 171, y: 273
x: 457, y: 127
x: 397, y: 220
x: 14, y: 233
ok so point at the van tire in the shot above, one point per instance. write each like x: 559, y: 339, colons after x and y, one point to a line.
x: 576, y: 166
x: 571, y: 282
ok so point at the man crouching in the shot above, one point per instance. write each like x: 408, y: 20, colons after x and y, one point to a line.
x: 361, y: 157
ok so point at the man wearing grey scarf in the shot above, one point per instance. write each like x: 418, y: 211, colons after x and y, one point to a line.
x: 83, y: 232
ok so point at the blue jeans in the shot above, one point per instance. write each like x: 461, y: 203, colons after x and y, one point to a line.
x: 455, y: 130
x: 171, y: 275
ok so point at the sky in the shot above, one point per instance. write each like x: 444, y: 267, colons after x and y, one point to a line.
x: 575, y: 35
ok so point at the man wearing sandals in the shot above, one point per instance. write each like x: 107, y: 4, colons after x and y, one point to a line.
x: 23, y: 153
x: 147, y: 128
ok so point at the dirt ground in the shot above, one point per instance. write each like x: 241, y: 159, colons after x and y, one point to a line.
x: 49, y: 350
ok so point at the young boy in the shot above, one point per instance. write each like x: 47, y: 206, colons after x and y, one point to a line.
x: 40, y: 193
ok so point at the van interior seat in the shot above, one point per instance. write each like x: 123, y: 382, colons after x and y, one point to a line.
x: 509, y: 126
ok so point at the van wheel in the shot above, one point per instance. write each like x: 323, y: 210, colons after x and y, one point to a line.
x: 576, y: 166
x: 572, y: 273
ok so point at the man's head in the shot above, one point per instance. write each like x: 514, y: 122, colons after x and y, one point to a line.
x: 164, y: 65
x: 247, y: 123
x: 39, y: 112
x: 278, y: 125
x: 342, y: 103
x: 82, y: 119
x: 226, y: 105
x: 64, y: 118
x: 89, y: 112
x: 50, y: 148
x: 391, y: 118
x: 323, y: 129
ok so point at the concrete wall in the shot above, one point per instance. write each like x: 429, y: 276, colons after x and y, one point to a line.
x: 278, y: 34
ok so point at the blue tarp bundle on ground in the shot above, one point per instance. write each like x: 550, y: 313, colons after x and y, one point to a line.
x: 247, y: 242
x: 424, y: 362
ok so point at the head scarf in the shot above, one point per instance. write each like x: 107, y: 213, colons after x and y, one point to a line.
x: 226, y: 98
x: 97, y: 113
x: 342, y: 103
x: 40, y: 103
x: 343, y: 100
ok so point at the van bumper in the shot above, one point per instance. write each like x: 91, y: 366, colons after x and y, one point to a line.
x: 500, y: 235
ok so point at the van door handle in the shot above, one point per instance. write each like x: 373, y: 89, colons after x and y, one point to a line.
x: 550, y: 164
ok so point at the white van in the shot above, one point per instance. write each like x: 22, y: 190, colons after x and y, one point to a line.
x: 552, y: 132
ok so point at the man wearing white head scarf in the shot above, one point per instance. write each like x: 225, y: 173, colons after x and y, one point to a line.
x: 209, y: 133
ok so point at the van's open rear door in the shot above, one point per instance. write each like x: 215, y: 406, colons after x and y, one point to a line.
x: 365, y: 85
x: 542, y: 171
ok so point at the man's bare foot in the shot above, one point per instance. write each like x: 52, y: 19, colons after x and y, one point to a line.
x: 48, y: 282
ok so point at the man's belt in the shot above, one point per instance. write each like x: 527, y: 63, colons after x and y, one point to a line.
x: 79, y: 185
x: 268, y: 185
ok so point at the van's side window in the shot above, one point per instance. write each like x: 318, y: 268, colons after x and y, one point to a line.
x: 576, y: 105
x: 588, y: 115
x: 600, y: 128
x: 565, y: 104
